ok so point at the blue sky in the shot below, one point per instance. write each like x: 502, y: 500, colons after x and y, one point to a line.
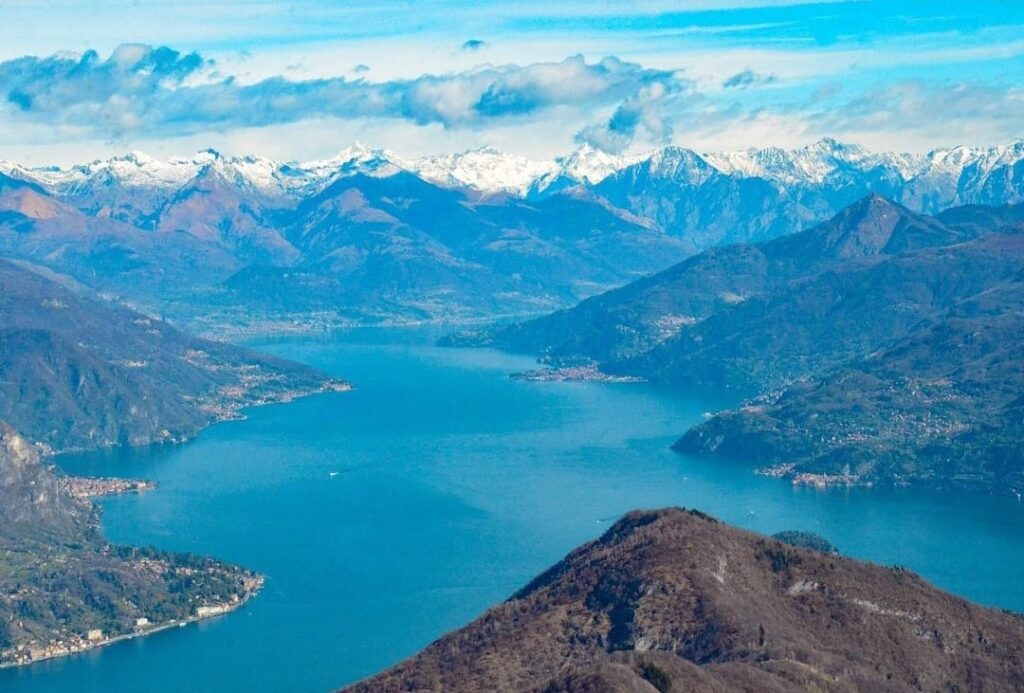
x: 303, y: 80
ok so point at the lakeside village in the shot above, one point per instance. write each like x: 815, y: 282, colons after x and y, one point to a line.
x: 64, y: 644
x: 786, y: 471
x: 67, y: 644
x: 85, y: 487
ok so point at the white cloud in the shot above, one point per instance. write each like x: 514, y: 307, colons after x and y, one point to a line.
x: 146, y: 92
x: 921, y: 115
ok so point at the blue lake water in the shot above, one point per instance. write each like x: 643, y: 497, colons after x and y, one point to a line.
x: 454, y: 486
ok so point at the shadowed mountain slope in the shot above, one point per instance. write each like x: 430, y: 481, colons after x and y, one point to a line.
x: 943, y: 403
x: 102, y: 252
x: 76, y: 372
x: 638, y: 317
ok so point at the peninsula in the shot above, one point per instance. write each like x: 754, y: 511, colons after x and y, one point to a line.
x: 64, y: 589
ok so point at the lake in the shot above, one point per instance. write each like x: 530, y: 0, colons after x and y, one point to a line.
x: 386, y: 516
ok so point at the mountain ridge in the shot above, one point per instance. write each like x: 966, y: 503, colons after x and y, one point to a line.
x: 78, y: 373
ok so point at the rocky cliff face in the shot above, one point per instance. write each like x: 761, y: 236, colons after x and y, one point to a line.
x: 31, y: 501
x: 676, y: 601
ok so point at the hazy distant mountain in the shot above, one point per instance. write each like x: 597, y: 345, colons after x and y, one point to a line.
x: 359, y: 236
x: 77, y: 373
x: 676, y: 601
x: 759, y: 194
x: 107, y: 254
x: 400, y: 246
x: 217, y: 211
x: 881, y: 344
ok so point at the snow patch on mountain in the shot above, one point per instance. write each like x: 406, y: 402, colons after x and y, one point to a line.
x: 586, y: 165
x: 486, y: 169
x: 811, y: 164
x: 679, y: 164
x: 135, y: 169
x: 356, y: 159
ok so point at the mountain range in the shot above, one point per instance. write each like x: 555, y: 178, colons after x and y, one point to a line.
x: 865, y: 310
x: 941, y: 178
x: 879, y: 346
x: 370, y: 237
x: 365, y: 248
x: 674, y: 600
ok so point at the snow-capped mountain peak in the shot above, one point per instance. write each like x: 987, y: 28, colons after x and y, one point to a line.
x: 586, y: 165
x: 809, y: 164
x: 356, y: 158
x: 590, y: 165
x: 679, y: 163
x: 486, y: 169
x: 16, y: 170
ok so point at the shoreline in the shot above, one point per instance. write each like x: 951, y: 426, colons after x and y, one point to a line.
x: 574, y: 374
x: 99, y: 644
x: 276, y: 329
x: 223, y: 415
x: 79, y: 644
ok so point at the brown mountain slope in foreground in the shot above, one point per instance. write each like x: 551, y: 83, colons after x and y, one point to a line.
x: 676, y: 601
